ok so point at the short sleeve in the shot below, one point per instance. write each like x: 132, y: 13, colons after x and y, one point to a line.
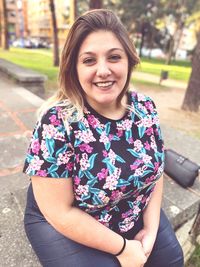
x: 50, y: 153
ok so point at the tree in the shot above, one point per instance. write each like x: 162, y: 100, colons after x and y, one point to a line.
x: 192, y: 96
x: 55, y: 34
x: 95, y: 4
x: 4, y: 26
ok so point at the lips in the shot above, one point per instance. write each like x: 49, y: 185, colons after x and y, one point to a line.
x: 104, y: 84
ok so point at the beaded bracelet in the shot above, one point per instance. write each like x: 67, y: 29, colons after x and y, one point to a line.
x: 123, y: 247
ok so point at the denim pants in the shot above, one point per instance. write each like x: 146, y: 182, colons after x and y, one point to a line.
x: 55, y: 250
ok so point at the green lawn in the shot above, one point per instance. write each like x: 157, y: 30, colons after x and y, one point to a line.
x: 195, y: 258
x: 179, y: 70
x: 41, y: 60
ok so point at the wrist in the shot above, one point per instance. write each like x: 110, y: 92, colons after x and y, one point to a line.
x: 122, y: 249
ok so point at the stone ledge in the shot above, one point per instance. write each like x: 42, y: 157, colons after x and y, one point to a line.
x: 26, y: 78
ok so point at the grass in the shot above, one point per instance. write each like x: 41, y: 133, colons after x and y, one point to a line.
x: 178, y: 70
x: 195, y: 258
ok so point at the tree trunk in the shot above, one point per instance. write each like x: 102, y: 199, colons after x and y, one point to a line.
x: 95, y: 4
x: 4, y: 26
x: 55, y: 34
x: 192, y: 96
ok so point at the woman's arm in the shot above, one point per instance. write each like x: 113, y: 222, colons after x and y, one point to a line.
x: 55, y: 199
x: 151, y: 219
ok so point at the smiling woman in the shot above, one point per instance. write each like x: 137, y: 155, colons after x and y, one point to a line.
x: 96, y: 160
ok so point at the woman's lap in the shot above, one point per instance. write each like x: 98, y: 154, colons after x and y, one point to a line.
x: 55, y: 250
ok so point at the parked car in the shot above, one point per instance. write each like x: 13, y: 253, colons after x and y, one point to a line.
x: 29, y: 43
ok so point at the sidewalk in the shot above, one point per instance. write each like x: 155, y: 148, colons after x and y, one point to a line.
x: 17, y: 120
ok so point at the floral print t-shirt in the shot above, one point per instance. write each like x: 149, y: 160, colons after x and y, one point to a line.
x: 114, y: 164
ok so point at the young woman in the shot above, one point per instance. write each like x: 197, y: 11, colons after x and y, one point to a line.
x: 96, y: 160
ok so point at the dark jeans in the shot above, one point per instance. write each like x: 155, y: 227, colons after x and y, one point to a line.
x: 55, y: 250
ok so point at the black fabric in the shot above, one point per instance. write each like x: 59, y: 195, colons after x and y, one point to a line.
x: 180, y: 169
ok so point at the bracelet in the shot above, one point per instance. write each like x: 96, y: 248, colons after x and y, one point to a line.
x: 123, y: 247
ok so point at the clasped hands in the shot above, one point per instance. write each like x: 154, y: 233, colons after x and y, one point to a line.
x: 138, y: 250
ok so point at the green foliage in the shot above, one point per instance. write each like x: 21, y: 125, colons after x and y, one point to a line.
x: 195, y: 258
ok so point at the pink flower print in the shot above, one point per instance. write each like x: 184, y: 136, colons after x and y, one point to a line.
x: 112, y: 180
x: 127, y: 213
x: 138, y: 145
x: 156, y: 166
x: 150, y: 179
x: 63, y: 158
x: 105, y: 153
x: 130, y: 140
x: 70, y: 166
x: 85, y: 136
x: 149, y: 131
x: 127, y: 124
x: 54, y: 120
x: 35, y: 164
x: 155, y: 120
x: 112, y: 156
x: 82, y: 190
x: 153, y: 143
x: 49, y: 131
x: 44, y: 149
x: 149, y: 106
x: 104, y: 138
x: 116, y: 195
x: 35, y: 146
x: 94, y: 122
x: 103, y: 197
x: 141, y: 97
x: 146, y: 158
x: 147, y: 121
x: 42, y: 173
x: 77, y: 180
x: 136, y: 210
x: 119, y: 133
x: 84, y: 162
x: 105, y: 219
x: 86, y: 147
x: 138, y: 172
x: 135, y: 165
x: 127, y: 225
x: 102, y: 175
x: 147, y: 145
x: 139, y: 198
x: 142, y: 107
x: 110, y: 137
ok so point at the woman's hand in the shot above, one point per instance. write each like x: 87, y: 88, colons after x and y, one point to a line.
x: 147, y: 240
x: 133, y: 254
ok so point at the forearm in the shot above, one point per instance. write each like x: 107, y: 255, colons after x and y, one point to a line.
x: 152, y: 212
x: 83, y: 228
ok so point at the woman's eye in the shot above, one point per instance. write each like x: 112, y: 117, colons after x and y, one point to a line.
x: 115, y: 58
x: 89, y: 61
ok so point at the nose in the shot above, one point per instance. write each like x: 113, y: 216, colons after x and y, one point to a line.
x: 103, y: 70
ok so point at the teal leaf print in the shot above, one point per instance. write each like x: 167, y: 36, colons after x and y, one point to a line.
x: 141, y: 131
x: 156, y: 156
x: 91, y: 183
x: 122, y: 182
x: 131, y: 178
x: 128, y: 135
x: 77, y: 142
x: 94, y: 190
x: 91, y: 161
x: 54, y: 174
x: 131, y: 205
x: 119, y: 159
x: 53, y: 168
x: 80, y: 174
x: 107, y: 146
x: 97, y: 200
x: 51, y: 160
x: 99, y: 130
x: 61, y: 150
x: 50, y: 143
x: 107, y: 128
x: 109, y: 165
x: 82, y: 126
x: 64, y: 174
x: 89, y: 175
x: 84, y: 197
x: 150, y: 165
x: 134, y: 153
x: 116, y: 138
x: 146, y: 172
x: 29, y: 158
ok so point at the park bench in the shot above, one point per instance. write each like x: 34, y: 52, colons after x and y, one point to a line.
x: 26, y: 78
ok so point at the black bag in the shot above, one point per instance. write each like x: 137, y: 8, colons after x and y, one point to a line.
x: 180, y: 169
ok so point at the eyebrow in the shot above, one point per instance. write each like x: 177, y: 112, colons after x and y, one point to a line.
x: 109, y: 51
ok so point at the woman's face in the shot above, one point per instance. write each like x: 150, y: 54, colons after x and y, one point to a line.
x: 102, y: 68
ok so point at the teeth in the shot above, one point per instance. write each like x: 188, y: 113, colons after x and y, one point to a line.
x: 104, y: 84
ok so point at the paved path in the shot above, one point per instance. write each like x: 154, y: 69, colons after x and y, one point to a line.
x: 17, y: 120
